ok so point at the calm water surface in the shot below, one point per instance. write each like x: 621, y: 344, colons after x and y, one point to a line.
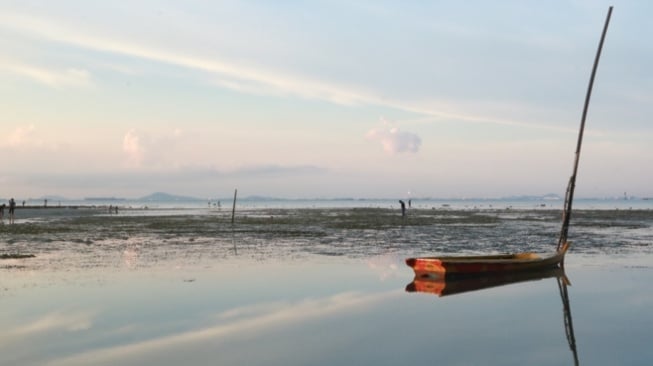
x: 320, y: 313
x: 175, y: 290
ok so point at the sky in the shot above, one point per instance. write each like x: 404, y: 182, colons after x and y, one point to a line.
x: 323, y: 99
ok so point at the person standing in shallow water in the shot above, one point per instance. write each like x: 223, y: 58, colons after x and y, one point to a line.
x: 2, y: 211
x: 12, y: 208
x: 403, y: 208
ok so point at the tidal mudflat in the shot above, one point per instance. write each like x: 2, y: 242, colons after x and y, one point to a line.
x: 315, y: 287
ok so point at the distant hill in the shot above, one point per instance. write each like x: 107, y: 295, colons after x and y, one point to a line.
x: 548, y: 196
x: 551, y: 196
x: 51, y: 198
x: 166, y: 197
x: 262, y: 198
x: 103, y: 199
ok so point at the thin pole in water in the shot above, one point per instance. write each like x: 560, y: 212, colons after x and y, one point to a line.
x: 233, y: 210
x: 569, y: 197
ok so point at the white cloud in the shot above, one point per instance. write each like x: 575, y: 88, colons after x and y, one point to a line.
x: 22, y: 136
x: 31, y: 138
x: 131, y: 146
x: 243, y: 77
x: 56, y: 78
x: 234, y: 75
x: 395, y: 141
x: 153, y: 150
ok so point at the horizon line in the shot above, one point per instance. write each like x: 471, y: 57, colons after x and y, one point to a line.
x: 176, y: 197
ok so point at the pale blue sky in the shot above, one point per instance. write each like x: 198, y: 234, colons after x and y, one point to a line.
x: 322, y: 98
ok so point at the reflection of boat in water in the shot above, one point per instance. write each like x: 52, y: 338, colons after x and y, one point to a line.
x: 444, y: 286
x: 492, y: 264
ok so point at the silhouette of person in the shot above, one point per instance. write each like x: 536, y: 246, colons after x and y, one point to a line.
x: 12, y: 208
x: 409, y: 203
x: 2, y: 211
x: 403, y: 208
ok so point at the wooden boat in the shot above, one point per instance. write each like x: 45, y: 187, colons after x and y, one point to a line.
x: 485, y: 264
x: 493, y: 264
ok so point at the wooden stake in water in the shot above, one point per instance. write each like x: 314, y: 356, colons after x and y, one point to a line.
x: 569, y: 197
x: 233, y: 210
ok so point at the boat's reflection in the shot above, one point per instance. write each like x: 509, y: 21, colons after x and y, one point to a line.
x: 441, y: 286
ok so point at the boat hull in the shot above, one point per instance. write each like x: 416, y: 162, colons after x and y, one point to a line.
x: 479, y: 265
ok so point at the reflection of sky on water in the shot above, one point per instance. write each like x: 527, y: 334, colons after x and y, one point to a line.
x: 326, y: 313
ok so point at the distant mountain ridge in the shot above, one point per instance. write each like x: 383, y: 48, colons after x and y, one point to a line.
x: 103, y: 199
x: 167, y: 197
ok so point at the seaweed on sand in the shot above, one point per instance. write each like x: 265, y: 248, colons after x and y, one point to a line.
x: 16, y: 256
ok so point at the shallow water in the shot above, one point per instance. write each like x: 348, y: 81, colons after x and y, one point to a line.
x: 316, y: 287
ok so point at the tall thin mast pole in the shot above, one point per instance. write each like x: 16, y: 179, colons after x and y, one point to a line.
x: 569, y: 197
